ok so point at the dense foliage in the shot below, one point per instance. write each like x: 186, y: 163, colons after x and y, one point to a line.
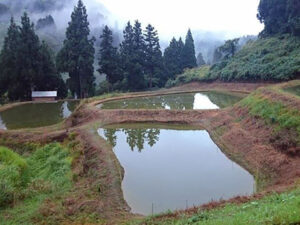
x: 280, y: 16
x: 77, y: 55
x: 274, y: 58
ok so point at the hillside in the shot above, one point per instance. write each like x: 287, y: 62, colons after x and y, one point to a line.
x: 274, y: 58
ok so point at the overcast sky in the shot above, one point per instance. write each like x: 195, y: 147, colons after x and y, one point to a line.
x: 174, y: 17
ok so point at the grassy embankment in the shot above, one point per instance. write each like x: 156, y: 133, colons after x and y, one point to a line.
x: 278, y: 209
x: 29, y: 180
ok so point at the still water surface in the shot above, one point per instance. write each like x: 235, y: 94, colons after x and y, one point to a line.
x: 173, y: 169
x: 207, y: 100
x: 34, y: 115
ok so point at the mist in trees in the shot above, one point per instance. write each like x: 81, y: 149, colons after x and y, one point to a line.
x: 26, y: 64
x: 138, y: 63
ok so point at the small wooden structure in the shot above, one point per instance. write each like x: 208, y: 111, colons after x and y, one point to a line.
x: 44, y: 96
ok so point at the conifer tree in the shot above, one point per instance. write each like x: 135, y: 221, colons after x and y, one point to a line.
x: 133, y: 56
x: 180, y: 49
x: 77, y: 55
x: 108, y: 57
x: 200, y: 60
x: 153, y: 56
x: 8, y: 56
x: 126, y: 52
x: 189, y: 55
x: 27, y: 59
x: 173, y: 58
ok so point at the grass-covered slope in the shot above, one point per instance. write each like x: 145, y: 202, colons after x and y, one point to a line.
x: 26, y: 182
x: 273, y: 209
x: 275, y: 58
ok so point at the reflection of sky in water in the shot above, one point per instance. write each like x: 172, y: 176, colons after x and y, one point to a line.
x: 203, y: 102
x: 66, y: 112
x: 182, y: 167
x: 187, y: 101
x: 2, y: 125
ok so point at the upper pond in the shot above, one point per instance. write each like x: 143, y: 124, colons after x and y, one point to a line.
x: 174, y: 169
x: 34, y: 115
x: 205, y: 100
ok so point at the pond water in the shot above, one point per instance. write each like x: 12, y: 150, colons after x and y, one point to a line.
x: 294, y: 90
x: 169, y: 169
x: 207, y: 100
x: 34, y: 115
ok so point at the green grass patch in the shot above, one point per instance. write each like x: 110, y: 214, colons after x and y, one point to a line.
x: 190, y: 75
x: 273, y: 112
x: 274, y: 209
x: 25, y: 182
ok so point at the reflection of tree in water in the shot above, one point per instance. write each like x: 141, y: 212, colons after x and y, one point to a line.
x: 111, y: 136
x: 223, y: 100
x: 135, y: 138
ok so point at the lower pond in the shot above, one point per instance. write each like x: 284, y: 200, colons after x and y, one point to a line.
x: 34, y: 115
x: 205, y: 100
x: 173, y: 168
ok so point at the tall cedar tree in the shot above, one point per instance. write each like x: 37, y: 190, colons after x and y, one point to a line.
x: 189, y: 55
x: 133, y: 56
x: 153, y: 56
x: 108, y: 57
x: 126, y: 52
x: 77, y: 55
x: 27, y: 59
x: 8, y: 64
x: 173, y: 58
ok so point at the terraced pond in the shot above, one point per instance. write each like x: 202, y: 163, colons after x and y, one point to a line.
x: 169, y: 168
x: 205, y: 100
x: 34, y: 115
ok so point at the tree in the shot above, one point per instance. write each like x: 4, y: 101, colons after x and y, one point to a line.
x: 279, y: 16
x: 8, y: 56
x: 188, y: 54
x: 27, y: 59
x: 226, y: 51
x: 133, y: 56
x: 77, y: 55
x: 200, y: 60
x: 109, y: 59
x: 153, y: 56
x: 173, y: 58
